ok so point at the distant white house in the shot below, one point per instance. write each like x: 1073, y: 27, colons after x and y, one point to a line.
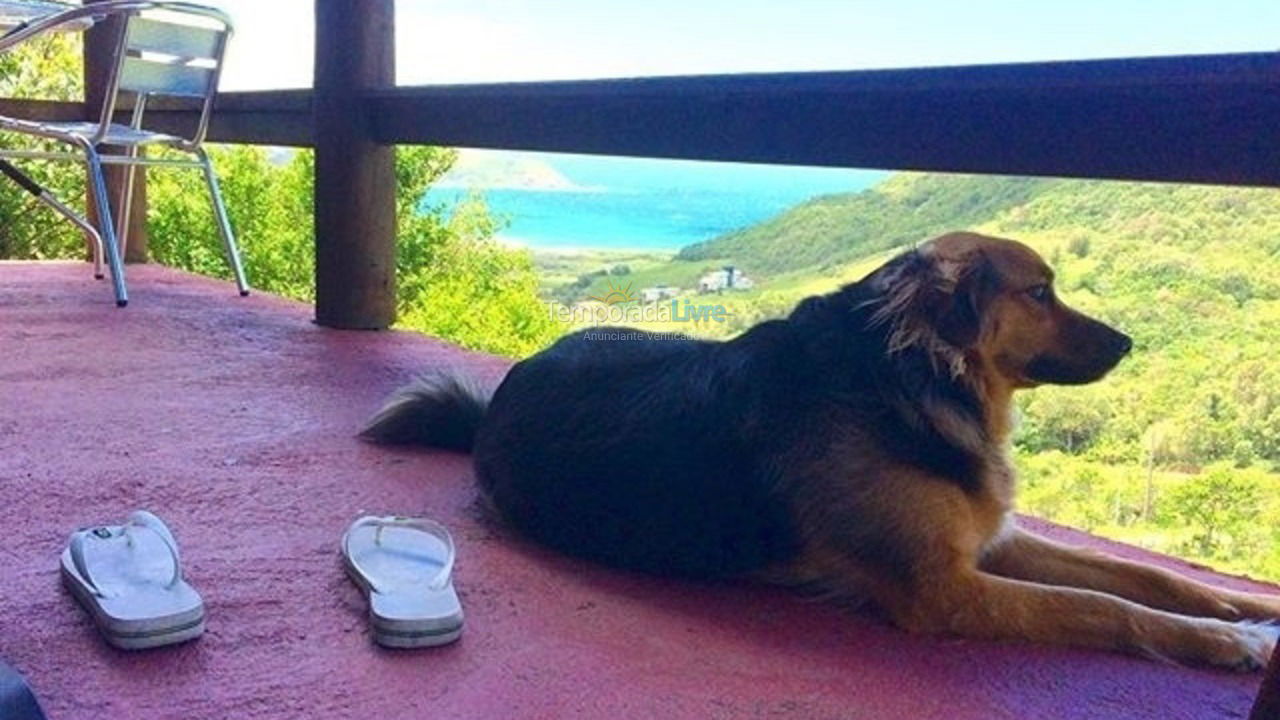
x: 726, y: 278
x: 658, y: 292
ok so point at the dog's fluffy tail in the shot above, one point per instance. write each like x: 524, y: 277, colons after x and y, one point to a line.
x: 441, y: 410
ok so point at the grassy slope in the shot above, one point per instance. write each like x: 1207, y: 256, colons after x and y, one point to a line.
x: 833, y: 230
x: 557, y: 268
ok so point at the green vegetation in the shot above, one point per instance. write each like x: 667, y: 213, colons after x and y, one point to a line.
x: 832, y: 230
x: 455, y: 280
x: 598, y: 282
x: 567, y: 275
x: 48, y: 69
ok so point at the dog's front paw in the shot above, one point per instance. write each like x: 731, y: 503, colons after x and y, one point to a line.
x: 1244, y: 646
x: 1241, y: 646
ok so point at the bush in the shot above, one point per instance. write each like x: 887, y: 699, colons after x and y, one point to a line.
x: 454, y: 280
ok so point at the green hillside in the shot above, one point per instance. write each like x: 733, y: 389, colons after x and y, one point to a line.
x: 834, y: 229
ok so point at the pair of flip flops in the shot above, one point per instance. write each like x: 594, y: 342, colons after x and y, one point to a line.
x: 129, y: 578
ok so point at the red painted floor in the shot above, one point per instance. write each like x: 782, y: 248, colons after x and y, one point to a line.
x: 233, y: 419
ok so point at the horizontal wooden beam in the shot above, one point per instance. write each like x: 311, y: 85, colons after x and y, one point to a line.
x: 1208, y: 119
x: 278, y: 117
x: 1205, y: 119
x: 275, y: 117
x: 47, y: 110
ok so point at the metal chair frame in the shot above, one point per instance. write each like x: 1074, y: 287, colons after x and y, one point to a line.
x: 154, y: 56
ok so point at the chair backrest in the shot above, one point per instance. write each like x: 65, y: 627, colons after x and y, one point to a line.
x: 166, y: 58
x: 166, y: 49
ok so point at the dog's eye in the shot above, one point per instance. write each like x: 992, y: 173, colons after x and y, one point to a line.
x: 1039, y: 293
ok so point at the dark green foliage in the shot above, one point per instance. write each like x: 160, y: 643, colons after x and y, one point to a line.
x: 1222, y: 506
x: 1079, y: 246
x: 47, y: 68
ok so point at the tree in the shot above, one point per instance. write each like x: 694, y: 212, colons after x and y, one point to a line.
x: 1157, y: 447
x: 1220, y: 507
x: 1068, y: 419
x: 1079, y: 246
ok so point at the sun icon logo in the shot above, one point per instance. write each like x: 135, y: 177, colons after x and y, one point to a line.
x: 616, y: 295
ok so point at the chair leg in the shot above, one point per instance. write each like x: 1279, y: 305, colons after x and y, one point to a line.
x: 126, y: 204
x: 91, y: 235
x: 224, y: 223
x: 98, y: 184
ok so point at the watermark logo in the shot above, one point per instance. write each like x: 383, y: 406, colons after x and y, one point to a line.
x: 618, y: 312
x: 633, y: 335
x: 616, y: 296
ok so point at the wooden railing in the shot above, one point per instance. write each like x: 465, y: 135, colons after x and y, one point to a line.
x: 1199, y: 119
x: 1203, y: 119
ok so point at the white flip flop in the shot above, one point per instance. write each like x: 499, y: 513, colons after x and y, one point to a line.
x: 129, y: 578
x: 405, y: 566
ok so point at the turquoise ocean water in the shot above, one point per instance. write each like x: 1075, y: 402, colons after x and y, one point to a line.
x: 616, y: 203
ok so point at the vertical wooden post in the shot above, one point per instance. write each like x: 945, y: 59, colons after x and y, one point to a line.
x: 1266, y: 706
x: 99, y: 45
x: 355, y: 183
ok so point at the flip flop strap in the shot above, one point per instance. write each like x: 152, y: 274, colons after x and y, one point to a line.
x: 138, y: 518
x: 430, y: 527
x: 142, y: 518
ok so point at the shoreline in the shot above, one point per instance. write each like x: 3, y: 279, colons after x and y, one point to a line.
x: 583, y: 250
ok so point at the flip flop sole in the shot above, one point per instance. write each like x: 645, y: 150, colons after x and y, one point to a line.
x: 402, y: 640
x: 153, y: 640
x: 183, y: 628
x: 398, y: 638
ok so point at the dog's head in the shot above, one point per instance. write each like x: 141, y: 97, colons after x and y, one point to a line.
x: 964, y: 297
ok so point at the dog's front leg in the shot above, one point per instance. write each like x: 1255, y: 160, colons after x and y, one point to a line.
x: 980, y: 605
x: 1024, y: 555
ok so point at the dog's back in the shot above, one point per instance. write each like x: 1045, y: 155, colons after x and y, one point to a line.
x: 628, y: 448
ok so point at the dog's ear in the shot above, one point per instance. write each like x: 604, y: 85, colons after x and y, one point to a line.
x: 959, y: 297
x: 933, y: 302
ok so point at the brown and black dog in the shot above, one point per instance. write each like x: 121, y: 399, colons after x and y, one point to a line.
x: 860, y: 445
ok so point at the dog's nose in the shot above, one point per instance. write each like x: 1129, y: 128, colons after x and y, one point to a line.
x: 1124, y: 343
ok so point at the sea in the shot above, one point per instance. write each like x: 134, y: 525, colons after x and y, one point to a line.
x: 635, y: 204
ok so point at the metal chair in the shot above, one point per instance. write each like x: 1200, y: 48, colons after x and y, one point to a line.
x: 164, y: 49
